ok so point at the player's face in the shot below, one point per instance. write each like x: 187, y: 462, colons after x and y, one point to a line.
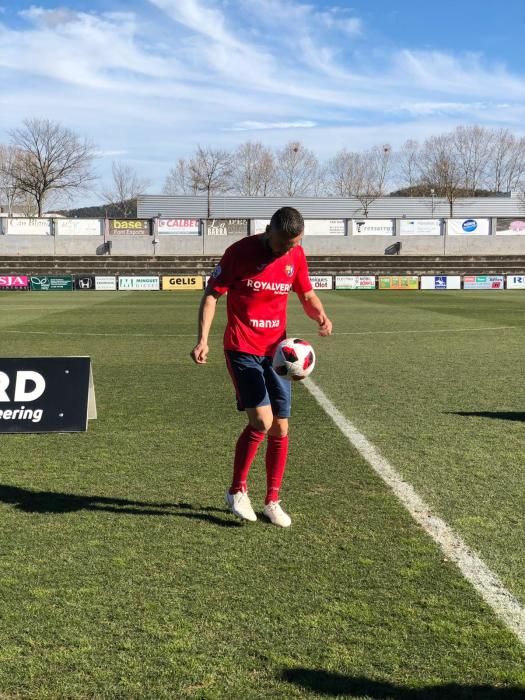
x: 280, y: 245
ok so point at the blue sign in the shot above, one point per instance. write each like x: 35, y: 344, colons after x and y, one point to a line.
x: 440, y: 282
x: 470, y: 225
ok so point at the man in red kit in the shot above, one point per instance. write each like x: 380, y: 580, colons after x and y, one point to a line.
x: 258, y: 273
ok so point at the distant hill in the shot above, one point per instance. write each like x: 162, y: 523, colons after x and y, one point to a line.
x: 112, y: 211
x: 424, y: 191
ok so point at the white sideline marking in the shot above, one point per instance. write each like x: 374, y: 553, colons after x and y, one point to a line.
x: 488, y: 585
x: 214, y: 335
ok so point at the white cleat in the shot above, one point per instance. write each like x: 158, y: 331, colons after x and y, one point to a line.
x: 276, y: 514
x: 240, y: 505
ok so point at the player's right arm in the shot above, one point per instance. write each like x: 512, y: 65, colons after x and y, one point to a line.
x: 207, y: 307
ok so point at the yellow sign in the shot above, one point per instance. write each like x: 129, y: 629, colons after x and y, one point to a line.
x: 399, y: 282
x: 179, y: 282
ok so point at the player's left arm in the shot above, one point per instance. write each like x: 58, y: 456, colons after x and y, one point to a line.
x: 314, y: 309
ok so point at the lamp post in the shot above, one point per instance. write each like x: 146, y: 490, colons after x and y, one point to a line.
x: 155, y: 233
x: 432, y: 193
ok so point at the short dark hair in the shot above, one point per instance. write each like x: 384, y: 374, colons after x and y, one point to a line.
x: 288, y: 222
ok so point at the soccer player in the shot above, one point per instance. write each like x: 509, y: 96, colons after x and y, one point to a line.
x: 258, y: 273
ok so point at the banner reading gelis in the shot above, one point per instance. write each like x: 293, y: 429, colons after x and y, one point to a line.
x: 14, y: 282
x: 399, y: 282
x: 52, y: 283
x: 181, y: 282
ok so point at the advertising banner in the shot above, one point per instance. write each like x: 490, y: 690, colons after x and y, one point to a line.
x: 78, y: 227
x: 106, y: 283
x: 373, y: 227
x: 227, y: 227
x: 85, y: 282
x: 420, y: 227
x: 441, y: 282
x: 28, y: 227
x: 136, y: 283
x: 181, y: 282
x: 260, y: 225
x: 46, y: 394
x: 179, y: 226
x: 321, y: 281
x: 129, y: 227
x: 355, y: 282
x: 14, y: 282
x: 324, y: 227
x: 483, y: 282
x: 516, y: 281
x: 510, y: 227
x: 468, y: 227
x: 399, y: 282
x: 52, y: 283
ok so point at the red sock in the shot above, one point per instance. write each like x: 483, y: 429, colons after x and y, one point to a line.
x: 245, y: 451
x: 276, y: 454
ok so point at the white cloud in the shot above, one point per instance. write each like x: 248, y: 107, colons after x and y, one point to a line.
x: 151, y: 86
x: 254, y: 126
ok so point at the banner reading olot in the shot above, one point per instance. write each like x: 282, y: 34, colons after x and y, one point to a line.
x: 182, y: 282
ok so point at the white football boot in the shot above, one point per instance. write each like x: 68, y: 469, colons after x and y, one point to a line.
x: 276, y: 514
x: 240, y: 505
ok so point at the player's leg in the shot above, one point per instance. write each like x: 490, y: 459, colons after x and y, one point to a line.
x: 248, y: 378
x: 277, y: 446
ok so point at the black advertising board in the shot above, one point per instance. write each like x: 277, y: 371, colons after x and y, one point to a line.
x: 46, y: 394
x: 84, y: 282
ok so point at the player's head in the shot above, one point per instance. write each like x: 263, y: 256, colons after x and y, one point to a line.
x: 285, y: 230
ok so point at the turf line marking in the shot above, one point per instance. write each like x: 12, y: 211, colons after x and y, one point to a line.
x: 487, y: 584
x: 212, y: 335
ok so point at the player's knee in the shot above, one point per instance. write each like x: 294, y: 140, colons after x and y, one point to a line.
x: 263, y: 425
x: 279, y: 428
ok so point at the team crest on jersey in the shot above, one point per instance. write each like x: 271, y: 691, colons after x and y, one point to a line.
x: 289, y: 270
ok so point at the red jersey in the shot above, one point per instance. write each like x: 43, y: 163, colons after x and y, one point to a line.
x: 258, y: 284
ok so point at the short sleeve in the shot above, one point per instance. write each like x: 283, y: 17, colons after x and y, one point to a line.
x: 301, y: 283
x: 222, y: 277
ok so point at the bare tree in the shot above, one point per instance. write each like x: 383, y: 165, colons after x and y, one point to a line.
x: 124, y: 189
x: 179, y: 180
x: 408, y: 165
x: 9, y: 192
x: 507, y: 162
x: 473, y: 146
x: 52, y: 160
x: 298, y: 171
x: 344, y: 174
x: 211, y: 171
x: 375, y: 168
x: 440, y: 169
x: 253, y: 170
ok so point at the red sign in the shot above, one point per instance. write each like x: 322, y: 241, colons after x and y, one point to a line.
x: 8, y: 282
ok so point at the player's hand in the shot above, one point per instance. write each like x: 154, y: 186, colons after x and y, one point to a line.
x: 325, y: 326
x: 199, y: 354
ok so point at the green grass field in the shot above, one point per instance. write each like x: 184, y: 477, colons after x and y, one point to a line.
x: 122, y: 575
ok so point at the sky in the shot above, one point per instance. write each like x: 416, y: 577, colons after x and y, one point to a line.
x: 147, y: 81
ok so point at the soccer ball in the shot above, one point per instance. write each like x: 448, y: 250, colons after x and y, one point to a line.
x: 293, y: 359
